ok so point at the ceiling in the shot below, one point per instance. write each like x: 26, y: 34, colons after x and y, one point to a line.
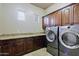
x: 42, y: 5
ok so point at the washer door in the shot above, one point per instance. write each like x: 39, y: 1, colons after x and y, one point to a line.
x: 70, y: 40
x: 51, y: 36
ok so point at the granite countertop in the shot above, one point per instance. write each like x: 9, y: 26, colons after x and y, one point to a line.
x: 19, y: 35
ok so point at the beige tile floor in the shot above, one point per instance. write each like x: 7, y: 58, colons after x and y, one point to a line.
x: 40, y: 52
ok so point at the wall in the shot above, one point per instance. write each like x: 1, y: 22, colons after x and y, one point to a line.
x: 21, y: 18
x: 55, y: 7
x: 1, y: 20
x: 0, y: 17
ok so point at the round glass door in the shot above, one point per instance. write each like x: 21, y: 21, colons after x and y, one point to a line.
x: 50, y: 36
x: 70, y: 40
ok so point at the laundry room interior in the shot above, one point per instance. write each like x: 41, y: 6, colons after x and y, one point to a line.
x: 39, y: 29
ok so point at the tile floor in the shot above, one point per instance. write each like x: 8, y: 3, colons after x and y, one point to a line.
x: 40, y: 52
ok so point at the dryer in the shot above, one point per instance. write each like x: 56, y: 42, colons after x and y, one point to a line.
x: 52, y: 40
x: 69, y: 40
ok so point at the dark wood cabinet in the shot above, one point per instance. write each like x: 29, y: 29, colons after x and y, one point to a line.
x: 20, y: 46
x: 6, y: 50
x: 45, y: 22
x: 7, y: 47
x: 67, y: 15
x: 52, y: 19
x: 39, y: 42
x: 28, y: 45
x: 0, y: 47
x: 70, y: 15
x: 55, y: 18
x: 0, y: 50
x: 76, y: 13
x: 12, y: 45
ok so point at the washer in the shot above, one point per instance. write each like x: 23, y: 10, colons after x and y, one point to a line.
x: 52, y: 40
x: 69, y: 40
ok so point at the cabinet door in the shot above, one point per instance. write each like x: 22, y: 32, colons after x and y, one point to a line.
x: 67, y: 15
x: 76, y: 13
x: 6, y: 48
x: 43, y: 25
x: 57, y: 18
x: 19, y: 46
x: 45, y: 22
x: 0, y: 47
x: 52, y: 19
x: 38, y: 42
x: 28, y: 45
x: 0, y: 50
x: 12, y: 47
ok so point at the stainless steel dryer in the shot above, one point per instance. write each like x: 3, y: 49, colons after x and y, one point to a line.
x: 52, y: 40
x: 69, y: 40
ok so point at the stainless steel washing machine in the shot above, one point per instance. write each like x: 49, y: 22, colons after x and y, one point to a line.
x: 69, y: 40
x: 52, y: 40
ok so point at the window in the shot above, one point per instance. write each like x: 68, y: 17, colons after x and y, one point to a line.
x: 21, y: 15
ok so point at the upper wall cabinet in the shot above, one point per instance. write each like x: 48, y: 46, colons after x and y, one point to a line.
x: 45, y: 22
x: 67, y: 15
x: 52, y: 19
x: 55, y: 18
x: 76, y: 13
x: 58, y: 18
